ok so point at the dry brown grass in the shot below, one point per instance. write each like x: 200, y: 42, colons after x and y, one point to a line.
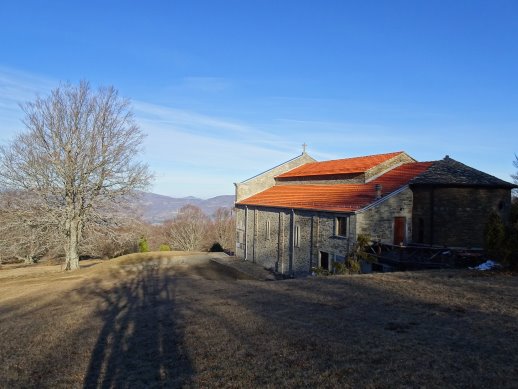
x: 202, y: 325
x: 136, y: 258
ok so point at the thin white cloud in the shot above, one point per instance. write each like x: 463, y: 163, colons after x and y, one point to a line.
x: 168, y: 145
x: 207, y: 146
x: 198, y: 154
x: 191, y: 153
x: 16, y: 88
x: 197, y: 122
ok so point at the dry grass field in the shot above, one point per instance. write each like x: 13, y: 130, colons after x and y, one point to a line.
x: 129, y: 323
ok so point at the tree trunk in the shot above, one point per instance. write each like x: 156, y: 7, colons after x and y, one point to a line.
x: 71, y: 246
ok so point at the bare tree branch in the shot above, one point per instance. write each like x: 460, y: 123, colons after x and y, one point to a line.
x: 223, y: 228
x: 188, y: 230
x: 76, y: 159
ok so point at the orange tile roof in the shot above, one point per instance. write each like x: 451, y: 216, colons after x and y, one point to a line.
x: 339, y: 197
x: 339, y: 166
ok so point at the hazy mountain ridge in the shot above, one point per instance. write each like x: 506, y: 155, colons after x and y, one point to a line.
x: 157, y: 208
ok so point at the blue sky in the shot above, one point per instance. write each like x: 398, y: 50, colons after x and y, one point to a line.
x: 227, y: 89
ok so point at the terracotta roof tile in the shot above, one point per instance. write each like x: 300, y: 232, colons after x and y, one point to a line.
x: 339, y: 166
x: 339, y: 197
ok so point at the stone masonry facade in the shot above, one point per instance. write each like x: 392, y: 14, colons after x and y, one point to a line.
x: 292, y: 240
x: 446, y: 216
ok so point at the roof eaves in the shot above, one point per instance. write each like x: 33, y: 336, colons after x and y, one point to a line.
x: 300, y: 208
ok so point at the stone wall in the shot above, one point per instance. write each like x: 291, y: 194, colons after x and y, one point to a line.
x: 329, y: 242
x: 240, y: 232
x: 270, y: 250
x: 459, y: 216
x: 279, y: 250
x: 303, y: 256
x: 317, y: 230
x: 456, y: 217
x: 378, y: 221
x: 266, y: 180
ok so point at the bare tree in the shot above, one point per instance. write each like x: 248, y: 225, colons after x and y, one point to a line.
x: 116, y: 237
x: 76, y: 159
x: 24, y: 233
x: 223, y: 228
x: 187, y: 231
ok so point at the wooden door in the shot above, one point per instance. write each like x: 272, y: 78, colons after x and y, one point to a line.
x: 399, y: 229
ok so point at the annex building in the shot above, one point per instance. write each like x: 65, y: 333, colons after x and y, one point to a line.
x: 305, y: 213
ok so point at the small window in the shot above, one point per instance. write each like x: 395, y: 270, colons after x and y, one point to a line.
x: 297, y: 236
x: 267, y: 230
x: 341, y: 226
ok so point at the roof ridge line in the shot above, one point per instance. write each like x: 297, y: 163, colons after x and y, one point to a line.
x: 343, y: 166
x: 359, y: 156
x: 276, y: 166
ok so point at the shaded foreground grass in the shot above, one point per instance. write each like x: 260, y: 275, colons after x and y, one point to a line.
x: 202, y: 326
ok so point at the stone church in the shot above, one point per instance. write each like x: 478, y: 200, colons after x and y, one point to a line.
x: 305, y: 213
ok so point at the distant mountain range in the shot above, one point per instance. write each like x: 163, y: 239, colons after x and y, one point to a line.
x: 158, y: 208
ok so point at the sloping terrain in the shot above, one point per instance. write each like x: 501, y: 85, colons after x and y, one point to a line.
x: 160, y: 323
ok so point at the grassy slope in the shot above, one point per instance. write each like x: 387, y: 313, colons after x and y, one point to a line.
x: 113, y: 326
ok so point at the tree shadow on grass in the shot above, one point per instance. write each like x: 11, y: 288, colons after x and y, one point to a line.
x: 141, y: 341
x: 348, y: 332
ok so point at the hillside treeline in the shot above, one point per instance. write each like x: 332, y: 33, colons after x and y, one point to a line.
x: 192, y: 230
x: 27, y: 235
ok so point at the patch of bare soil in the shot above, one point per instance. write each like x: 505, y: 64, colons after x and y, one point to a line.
x: 201, y: 325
